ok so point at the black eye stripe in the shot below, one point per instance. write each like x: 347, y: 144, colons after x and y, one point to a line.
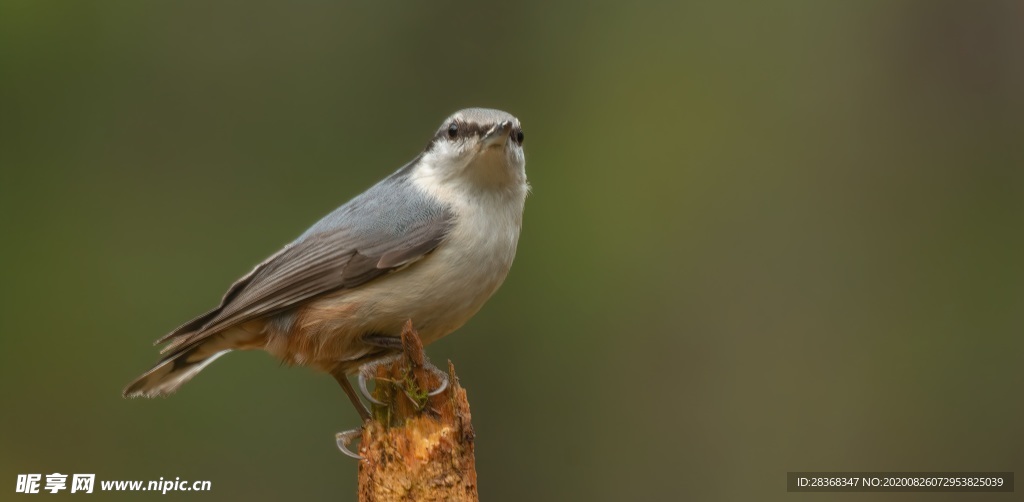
x: 465, y: 129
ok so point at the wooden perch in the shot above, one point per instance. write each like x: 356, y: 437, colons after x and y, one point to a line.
x: 417, y: 447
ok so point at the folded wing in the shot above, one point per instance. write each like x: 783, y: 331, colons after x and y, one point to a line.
x: 385, y: 228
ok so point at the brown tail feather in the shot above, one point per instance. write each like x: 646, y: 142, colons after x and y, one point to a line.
x: 185, y: 362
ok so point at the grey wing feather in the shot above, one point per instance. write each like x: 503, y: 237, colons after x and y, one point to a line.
x: 388, y: 226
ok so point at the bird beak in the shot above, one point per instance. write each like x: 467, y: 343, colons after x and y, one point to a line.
x: 498, y: 135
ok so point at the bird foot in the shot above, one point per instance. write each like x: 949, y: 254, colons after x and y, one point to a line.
x: 368, y: 371
x: 345, y: 438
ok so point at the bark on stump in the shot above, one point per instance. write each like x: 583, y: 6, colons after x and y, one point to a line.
x: 418, y: 447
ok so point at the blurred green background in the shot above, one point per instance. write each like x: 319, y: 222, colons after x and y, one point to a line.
x: 763, y: 236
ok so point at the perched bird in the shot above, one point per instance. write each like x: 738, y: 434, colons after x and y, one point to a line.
x: 431, y: 243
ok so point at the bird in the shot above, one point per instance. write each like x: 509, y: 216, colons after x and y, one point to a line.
x: 430, y: 243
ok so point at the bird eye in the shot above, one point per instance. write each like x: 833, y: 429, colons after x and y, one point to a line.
x: 519, y: 136
x: 453, y: 130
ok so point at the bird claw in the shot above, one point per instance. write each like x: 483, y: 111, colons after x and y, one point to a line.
x: 442, y: 376
x: 345, y: 438
x: 369, y: 371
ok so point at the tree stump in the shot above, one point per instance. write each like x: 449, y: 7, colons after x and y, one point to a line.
x: 417, y: 447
